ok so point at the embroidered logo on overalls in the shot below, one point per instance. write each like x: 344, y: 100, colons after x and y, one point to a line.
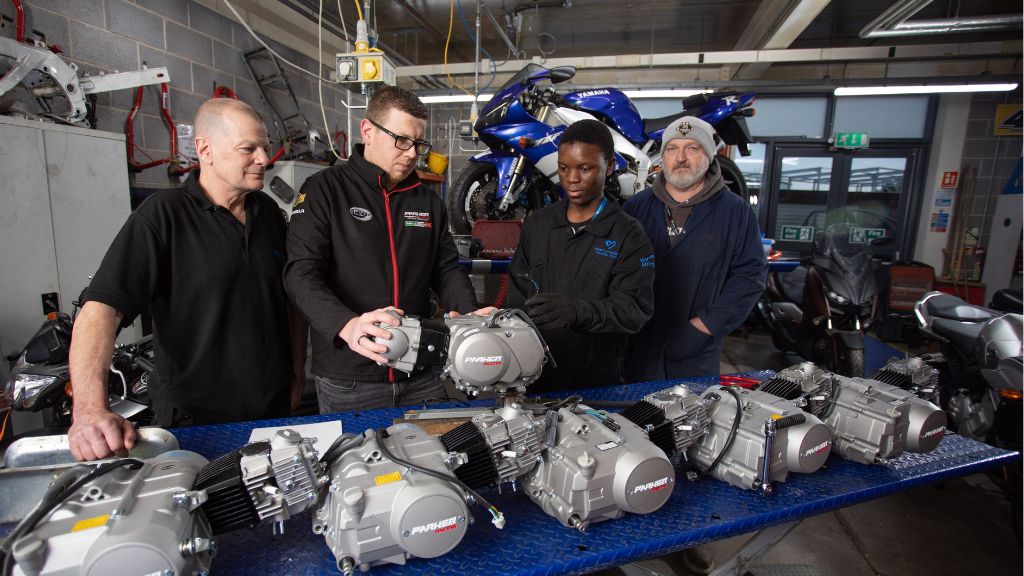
x: 606, y: 248
x: 417, y: 220
x: 361, y: 214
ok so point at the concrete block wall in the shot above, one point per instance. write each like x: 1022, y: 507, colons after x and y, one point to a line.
x: 198, y: 46
x: 992, y: 158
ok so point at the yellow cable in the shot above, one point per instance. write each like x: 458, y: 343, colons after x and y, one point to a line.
x: 451, y: 20
x: 358, y: 9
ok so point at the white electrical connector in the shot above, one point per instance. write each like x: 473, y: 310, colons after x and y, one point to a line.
x: 362, y: 38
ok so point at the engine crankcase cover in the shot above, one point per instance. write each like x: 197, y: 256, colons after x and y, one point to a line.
x: 378, y: 512
x: 870, y: 420
x: 129, y: 517
x: 799, y: 448
x: 493, y: 353
x: 596, y: 473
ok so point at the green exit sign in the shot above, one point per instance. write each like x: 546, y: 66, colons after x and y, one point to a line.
x: 852, y: 140
x: 798, y: 233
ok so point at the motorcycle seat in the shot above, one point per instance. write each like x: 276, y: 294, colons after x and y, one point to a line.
x: 953, y: 308
x: 961, y: 334
x: 655, y: 124
x: 792, y: 284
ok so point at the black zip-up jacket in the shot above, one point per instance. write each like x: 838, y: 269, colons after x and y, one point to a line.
x: 607, y: 269
x: 354, y: 246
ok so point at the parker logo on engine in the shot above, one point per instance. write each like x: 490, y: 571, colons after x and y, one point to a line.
x: 817, y: 448
x: 931, y: 433
x: 652, y: 486
x: 436, y: 527
x: 484, y: 360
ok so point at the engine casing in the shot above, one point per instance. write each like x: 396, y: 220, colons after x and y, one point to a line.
x: 144, y: 518
x: 594, y: 472
x: 873, y: 421
x: 503, y: 354
x: 802, y: 447
x: 378, y: 512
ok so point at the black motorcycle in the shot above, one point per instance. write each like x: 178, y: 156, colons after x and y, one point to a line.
x: 821, y: 309
x: 40, y: 380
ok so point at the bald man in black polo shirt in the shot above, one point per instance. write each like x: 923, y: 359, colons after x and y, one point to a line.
x: 206, y: 261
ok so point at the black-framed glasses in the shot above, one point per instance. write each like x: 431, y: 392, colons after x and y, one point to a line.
x: 403, y: 143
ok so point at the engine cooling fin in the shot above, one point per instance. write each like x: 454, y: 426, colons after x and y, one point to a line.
x: 480, y: 470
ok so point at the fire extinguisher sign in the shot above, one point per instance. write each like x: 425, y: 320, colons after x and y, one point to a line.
x: 949, y: 179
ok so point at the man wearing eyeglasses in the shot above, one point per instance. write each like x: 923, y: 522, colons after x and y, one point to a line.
x: 366, y: 238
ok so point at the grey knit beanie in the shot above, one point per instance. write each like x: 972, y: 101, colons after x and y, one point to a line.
x: 694, y: 129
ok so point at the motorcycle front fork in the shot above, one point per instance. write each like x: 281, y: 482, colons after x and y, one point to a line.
x: 511, y: 196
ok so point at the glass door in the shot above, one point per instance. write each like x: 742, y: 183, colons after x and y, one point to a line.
x: 869, y: 189
x: 802, y: 181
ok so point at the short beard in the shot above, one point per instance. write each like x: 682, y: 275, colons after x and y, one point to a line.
x: 684, y: 182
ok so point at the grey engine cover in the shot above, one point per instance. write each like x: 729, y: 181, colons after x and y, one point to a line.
x: 873, y: 421
x: 594, y: 473
x: 139, y: 518
x: 378, y: 512
x: 800, y: 448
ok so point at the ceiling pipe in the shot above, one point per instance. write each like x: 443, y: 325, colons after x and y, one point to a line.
x: 894, y: 22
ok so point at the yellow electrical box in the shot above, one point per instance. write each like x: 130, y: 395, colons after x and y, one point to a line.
x: 365, y: 67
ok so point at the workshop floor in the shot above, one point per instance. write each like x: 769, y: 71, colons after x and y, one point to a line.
x: 959, y: 527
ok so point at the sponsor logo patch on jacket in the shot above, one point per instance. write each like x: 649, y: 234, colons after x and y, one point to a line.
x: 417, y: 219
x: 361, y: 214
x: 647, y: 261
x: 606, y: 248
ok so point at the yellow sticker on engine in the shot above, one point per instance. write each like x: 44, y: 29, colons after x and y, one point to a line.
x: 776, y: 416
x: 387, y: 478
x: 90, y: 523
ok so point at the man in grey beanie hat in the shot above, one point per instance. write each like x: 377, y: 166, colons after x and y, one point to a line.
x: 711, y: 266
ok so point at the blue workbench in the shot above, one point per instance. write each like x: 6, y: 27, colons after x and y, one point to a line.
x: 534, y: 543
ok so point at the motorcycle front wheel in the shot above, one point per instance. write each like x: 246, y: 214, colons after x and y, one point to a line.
x: 851, y: 361
x: 472, y: 198
x: 733, y: 177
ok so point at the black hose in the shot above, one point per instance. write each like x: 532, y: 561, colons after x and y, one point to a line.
x: 525, y: 318
x: 439, y: 475
x: 341, y: 444
x: 732, y: 432
x: 59, y: 491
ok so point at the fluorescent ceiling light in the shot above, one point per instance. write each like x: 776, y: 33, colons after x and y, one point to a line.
x: 927, y: 89
x: 453, y: 98
x: 662, y: 93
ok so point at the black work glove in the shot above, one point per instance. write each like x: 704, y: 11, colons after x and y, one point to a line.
x: 551, y: 310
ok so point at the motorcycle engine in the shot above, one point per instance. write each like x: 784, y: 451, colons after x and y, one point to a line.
x: 135, y: 513
x: 598, y: 468
x: 263, y: 481
x: 501, y: 352
x: 500, y: 446
x: 378, y: 511
x: 871, y: 421
x: 913, y: 375
x: 675, y: 418
x: 772, y: 438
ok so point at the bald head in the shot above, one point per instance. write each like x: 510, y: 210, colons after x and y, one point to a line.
x: 232, y: 146
x: 218, y: 115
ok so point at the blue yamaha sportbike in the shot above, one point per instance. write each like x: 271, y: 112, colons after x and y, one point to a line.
x: 522, y: 123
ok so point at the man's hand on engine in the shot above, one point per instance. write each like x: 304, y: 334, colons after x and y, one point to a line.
x: 359, y: 332
x: 550, y: 310
x: 99, y: 433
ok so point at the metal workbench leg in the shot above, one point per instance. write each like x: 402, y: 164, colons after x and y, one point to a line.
x: 740, y: 561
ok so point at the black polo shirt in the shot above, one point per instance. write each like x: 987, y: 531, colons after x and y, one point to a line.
x: 214, y: 289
